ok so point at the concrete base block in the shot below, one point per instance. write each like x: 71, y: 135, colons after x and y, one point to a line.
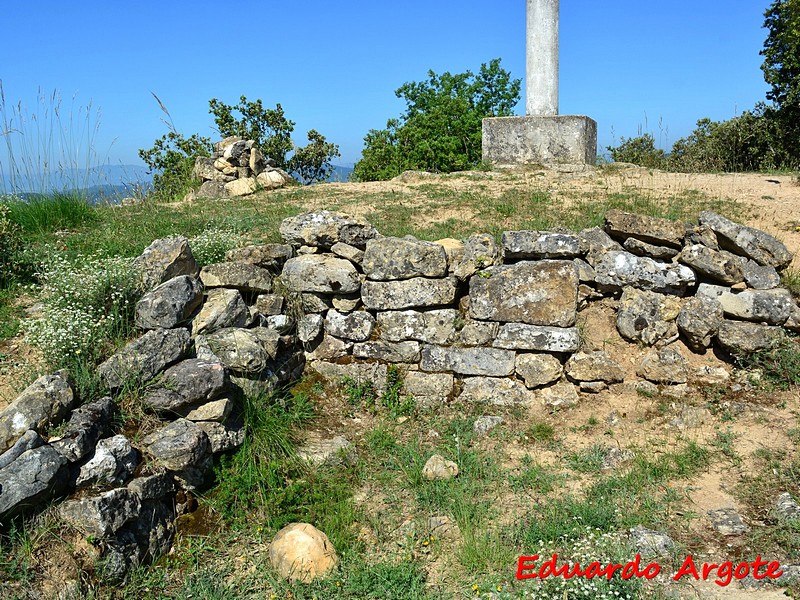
x: 559, y: 139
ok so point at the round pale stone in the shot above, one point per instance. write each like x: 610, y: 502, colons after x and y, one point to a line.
x: 301, y: 552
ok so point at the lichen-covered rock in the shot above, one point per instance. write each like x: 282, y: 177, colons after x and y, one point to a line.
x: 320, y: 273
x: 483, y: 425
x: 348, y: 252
x: 224, y: 437
x: 491, y: 362
x: 666, y: 365
x: 616, y: 270
x: 439, y: 468
x: 727, y: 522
x: 329, y: 348
x: 654, y: 230
x: 497, y: 391
x: 394, y: 352
x: 152, y: 487
x: 427, y: 389
x: 746, y: 241
x: 432, y: 326
x: 309, y: 328
x: 166, y: 259
x: 640, y: 248
x: 761, y: 277
x: 113, y: 463
x: 301, y: 552
x: 238, y: 275
x: 223, y: 308
x: 145, y: 357
x: 240, y: 350
x: 243, y: 186
x: 647, y: 317
x: 538, y: 369
x: 454, y: 250
x: 86, y: 425
x: 181, y: 447
x: 701, y: 234
x: 169, y: 304
x: 539, y: 244
x: 418, y: 292
x: 738, y: 337
x: 561, y: 395
x: 719, y: 265
x: 269, y: 304
x: 479, y: 333
x: 356, y: 326
x: 480, y: 252
x: 595, y: 243
x: 520, y: 336
x: 29, y: 440
x: 537, y: 293
x: 769, y: 306
x: 594, y: 366
x: 266, y: 256
x: 45, y: 402
x: 390, y: 258
x: 699, y: 321
x: 361, y: 373
x: 36, y: 476
x: 332, y: 452
x: 101, y: 515
x: 324, y: 228
x: 188, y: 382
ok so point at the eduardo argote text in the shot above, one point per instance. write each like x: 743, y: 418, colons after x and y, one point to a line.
x: 529, y: 567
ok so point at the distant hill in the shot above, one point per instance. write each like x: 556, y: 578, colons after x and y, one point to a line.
x: 340, y: 174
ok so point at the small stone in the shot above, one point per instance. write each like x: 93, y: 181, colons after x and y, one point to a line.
x: 145, y: 357
x: 324, y: 228
x: 282, y: 324
x: 616, y: 270
x: 391, y: 258
x: 480, y: 252
x: 185, y: 384
x: 479, y: 333
x: 653, y: 230
x: 240, y: 350
x: 266, y: 256
x: 647, y: 317
x: 483, y: 425
x: 330, y: 348
x: 238, y: 275
x: 432, y: 326
x: 740, y: 337
x: 349, y: 252
x: 152, y: 487
x: 301, y: 552
x: 666, y: 365
x: 347, y: 303
x: 717, y: 265
x: 787, y: 508
x: 269, y: 304
x: 320, y: 273
x: 418, y: 292
x: 243, y: 186
x: 101, y: 515
x: 355, y: 326
x: 183, y: 448
x: 538, y: 369
x: 699, y: 320
x: 617, y: 457
x: 539, y: 245
x: 762, y: 306
x: 706, y: 375
x: 592, y: 387
x: 166, y: 259
x: 495, y: 391
x: 651, y: 543
x: 727, y: 522
x: 113, y: 463
x: 640, y: 248
x: 223, y: 437
x: 761, y: 277
x: 35, y: 477
x: 746, y: 241
x: 594, y: 367
x: 560, y: 395
x: 491, y: 362
x: 222, y: 308
x: 216, y: 410
x: 439, y: 468
x: 520, y: 336
x: 595, y: 243
x: 309, y: 328
x: 394, y: 352
x: 428, y: 389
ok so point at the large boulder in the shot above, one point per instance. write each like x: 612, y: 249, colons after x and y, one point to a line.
x: 647, y: 317
x: 166, y: 259
x: 616, y: 270
x: 390, y: 258
x: 301, y: 552
x: 537, y: 293
x: 768, y: 306
x: 240, y: 350
x: 432, y: 326
x: 36, y: 476
x: 238, y: 275
x: 188, y: 382
x: 145, y: 357
x: 324, y: 228
x: 492, y: 362
x: 654, y: 230
x: 169, y: 304
x: 418, y: 292
x: 321, y: 274
x: 45, y: 402
x: 746, y: 241
x: 182, y: 447
x: 540, y: 244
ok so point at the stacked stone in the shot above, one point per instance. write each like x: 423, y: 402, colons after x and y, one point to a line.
x: 496, y: 323
x: 237, y: 168
x: 206, y: 340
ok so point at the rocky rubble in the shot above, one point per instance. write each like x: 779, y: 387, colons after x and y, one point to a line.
x: 466, y: 321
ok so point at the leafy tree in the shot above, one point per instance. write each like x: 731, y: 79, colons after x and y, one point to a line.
x: 440, y: 130
x: 312, y: 163
x: 639, y: 150
x: 171, y: 160
x: 269, y: 127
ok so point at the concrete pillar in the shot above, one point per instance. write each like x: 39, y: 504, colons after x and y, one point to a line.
x: 542, y: 58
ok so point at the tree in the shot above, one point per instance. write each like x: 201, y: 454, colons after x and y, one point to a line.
x: 440, y: 130
x: 312, y: 163
x: 268, y: 127
x: 171, y: 160
x: 781, y: 69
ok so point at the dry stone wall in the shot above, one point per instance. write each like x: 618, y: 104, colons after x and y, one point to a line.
x: 467, y: 320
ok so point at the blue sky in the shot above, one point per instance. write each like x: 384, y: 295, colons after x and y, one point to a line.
x: 334, y: 66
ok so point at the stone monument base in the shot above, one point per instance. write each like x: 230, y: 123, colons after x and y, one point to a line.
x: 560, y: 139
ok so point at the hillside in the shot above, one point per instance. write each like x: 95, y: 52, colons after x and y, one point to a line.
x: 568, y: 479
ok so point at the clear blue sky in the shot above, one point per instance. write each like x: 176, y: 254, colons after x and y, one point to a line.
x: 334, y: 66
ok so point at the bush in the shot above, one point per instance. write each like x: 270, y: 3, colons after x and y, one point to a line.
x: 312, y: 163
x: 441, y: 128
x: 171, y: 160
x: 9, y: 244
x: 640, y: 150
x: 212, y: 245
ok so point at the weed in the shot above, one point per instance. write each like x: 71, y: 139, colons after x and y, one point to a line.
x: 534, y: 478
x: 588, y: 460
x: 541, y: 432
x: 359, y: 393
x: 391, y: 397
x: 724, y: 442
x: 779, y: 366
x: 213, y: 244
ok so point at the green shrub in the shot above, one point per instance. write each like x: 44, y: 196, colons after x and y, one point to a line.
x: 9, y: 244
x: 212, y: 245
x: 171, y: 160
x: 640, y: 150
x: 440, y: 130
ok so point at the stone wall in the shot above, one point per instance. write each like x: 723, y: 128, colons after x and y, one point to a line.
x: 468, y: 321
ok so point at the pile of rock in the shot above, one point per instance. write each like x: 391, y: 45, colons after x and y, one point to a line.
x: 471, y: 321
x: 237, y: 168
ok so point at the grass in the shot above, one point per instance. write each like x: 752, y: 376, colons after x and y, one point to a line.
x: 41, y: 214
x: 779, y: 366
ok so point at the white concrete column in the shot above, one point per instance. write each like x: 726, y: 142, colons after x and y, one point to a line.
x: 542, y: 58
